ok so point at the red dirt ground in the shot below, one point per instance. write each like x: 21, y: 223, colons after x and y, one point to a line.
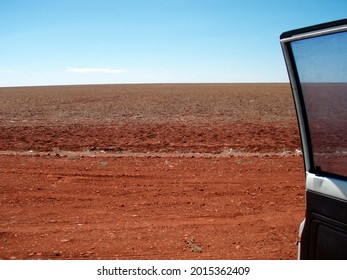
x: 187, y: 171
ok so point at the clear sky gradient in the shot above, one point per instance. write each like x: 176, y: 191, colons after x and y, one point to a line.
x: 54, y: 42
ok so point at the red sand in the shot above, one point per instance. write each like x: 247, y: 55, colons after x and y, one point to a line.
x: 189, y: 171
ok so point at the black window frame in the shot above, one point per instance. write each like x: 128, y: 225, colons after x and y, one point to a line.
x: 298, y: 95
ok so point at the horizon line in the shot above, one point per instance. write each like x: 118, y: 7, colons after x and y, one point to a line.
x: 143, y: 83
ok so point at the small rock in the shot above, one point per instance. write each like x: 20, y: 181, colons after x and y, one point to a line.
x: 64, y: 240
x: 56, y: 253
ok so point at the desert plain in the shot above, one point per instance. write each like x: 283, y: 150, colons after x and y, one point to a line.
x: 150, y: 171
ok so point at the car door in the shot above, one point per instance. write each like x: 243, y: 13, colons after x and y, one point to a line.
x: 316, y: 60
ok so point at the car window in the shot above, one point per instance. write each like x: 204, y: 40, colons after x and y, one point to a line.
x: 322, y: 69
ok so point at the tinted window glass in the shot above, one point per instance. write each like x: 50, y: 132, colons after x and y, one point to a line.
x: 322, y: 68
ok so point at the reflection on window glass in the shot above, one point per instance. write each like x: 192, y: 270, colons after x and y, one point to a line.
x: 322, y: 69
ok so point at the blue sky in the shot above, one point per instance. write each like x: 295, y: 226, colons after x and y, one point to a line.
x: 52, y: 42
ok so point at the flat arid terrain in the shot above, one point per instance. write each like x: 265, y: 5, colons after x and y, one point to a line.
x: 154, y: 171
